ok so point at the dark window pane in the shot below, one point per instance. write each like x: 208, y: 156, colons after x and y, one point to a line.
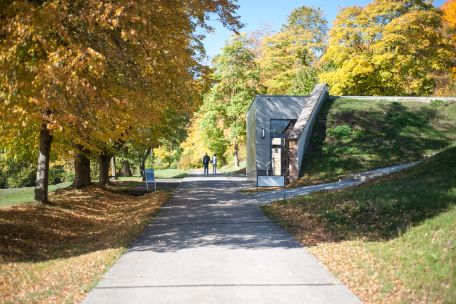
x: 280, y: 126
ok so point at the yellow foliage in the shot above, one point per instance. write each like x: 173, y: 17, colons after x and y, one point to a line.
x: 98, y: 72
x: 194, y: 147
x: 387, y: 48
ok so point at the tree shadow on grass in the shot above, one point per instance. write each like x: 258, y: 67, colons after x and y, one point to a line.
x: 378, y: 210
x: 347, y: 140
x: 73, y: 223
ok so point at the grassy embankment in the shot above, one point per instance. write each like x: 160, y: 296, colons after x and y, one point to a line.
x: 55, y: 253
x: 352, y: 136
x: 392, y: 240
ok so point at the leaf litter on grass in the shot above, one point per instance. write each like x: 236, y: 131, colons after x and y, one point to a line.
x: 390, y: 240
x: 55, y: 253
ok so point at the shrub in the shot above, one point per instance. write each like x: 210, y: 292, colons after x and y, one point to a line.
x: 56, y: 175
x: 23, y: 176
x: 340, y: 132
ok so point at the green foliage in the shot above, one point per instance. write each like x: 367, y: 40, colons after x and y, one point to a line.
x: 236, y: 78
x: 21, y: 175
x: 359, y: 135
x: 166, y: 157
x: 304, y: 81
x: 58, y: 175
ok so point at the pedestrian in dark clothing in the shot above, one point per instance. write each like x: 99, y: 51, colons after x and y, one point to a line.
x: 206, y: 161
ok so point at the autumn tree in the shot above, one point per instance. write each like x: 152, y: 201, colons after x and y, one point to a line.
x: 449, y: 18
x: 287, y: 58
x: 449, y: 10
x: 386, y: 48
x: 95, y: 73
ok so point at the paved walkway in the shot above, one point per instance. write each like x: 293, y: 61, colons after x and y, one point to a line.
x: 212, y: 244
x: 355, y: 179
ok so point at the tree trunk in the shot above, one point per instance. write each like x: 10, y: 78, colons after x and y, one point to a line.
x: 113, y: 168
x: 104, y: 161
x: 142, y: 165
x: 236, y: 158
x: 42, y: 172
x: 126, y: 169
x: 81, y: 170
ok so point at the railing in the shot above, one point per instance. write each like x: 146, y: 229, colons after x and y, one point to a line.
x: 268, y: 166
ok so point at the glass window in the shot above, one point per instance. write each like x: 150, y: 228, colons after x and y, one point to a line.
x: 279, y: 127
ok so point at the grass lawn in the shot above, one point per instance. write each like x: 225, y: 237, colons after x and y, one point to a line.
x: 392, y: 240
x: 360, y: 135
x: 14, y: 196
x: 159, y: 173
x: 170, y: 173
x: 56, y: 253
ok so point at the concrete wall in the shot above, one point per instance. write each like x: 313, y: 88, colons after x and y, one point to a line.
x: 273, y: 107
x: 263, y: 109
x: 300, y: 135
x: 251, y: 140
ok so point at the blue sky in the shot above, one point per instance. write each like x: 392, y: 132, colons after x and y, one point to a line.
x: 257, y: 13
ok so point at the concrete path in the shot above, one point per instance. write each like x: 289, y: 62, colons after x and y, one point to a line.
x: 212, y: 244
x: 356, y: 179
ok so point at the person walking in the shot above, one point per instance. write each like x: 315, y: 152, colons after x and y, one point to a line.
x: 206, y: 160
x: 214, y: 164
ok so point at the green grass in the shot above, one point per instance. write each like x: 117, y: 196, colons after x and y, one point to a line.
x: 170, y: 173
x: 14, y: 196
x: 159, y: 173
x: 406, y: 221
x: 129, y: 178
x: 359, y: 135
x: 230, y: 169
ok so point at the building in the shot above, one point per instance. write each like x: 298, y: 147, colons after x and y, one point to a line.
x: 278, y: 132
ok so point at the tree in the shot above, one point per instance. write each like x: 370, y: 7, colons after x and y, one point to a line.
x: 449, y: 9
x: 386, y: 48
x: 94, y: 73
x: 293, y: 51
x: 236, y: 77
x: 449, y: 18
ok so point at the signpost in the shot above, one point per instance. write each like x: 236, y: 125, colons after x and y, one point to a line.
x: 150, y: 178
x: 271, y: 181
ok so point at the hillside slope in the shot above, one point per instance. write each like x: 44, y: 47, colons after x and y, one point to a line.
x: 390, y: 240
x: 359, y: 135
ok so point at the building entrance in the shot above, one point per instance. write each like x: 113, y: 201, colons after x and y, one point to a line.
x: 279, y: 156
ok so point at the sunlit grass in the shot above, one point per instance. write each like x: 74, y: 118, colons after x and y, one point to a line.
x: 171, y: 173
x: 392, y: 240
x: 14, y: 196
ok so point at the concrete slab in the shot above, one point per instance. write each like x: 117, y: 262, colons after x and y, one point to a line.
x: 212, y: 244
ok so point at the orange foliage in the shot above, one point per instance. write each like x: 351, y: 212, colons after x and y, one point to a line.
x: 449, y: 9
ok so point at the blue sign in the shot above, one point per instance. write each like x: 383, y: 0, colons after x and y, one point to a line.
x: 150, y: 178
x: 150, y: 174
